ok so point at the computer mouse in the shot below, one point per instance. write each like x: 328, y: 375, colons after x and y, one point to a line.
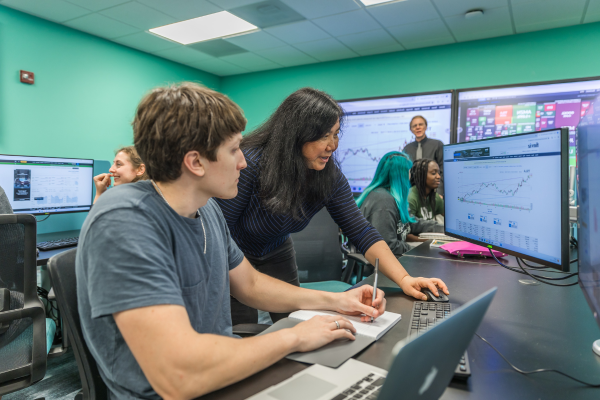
x: 442, y: 298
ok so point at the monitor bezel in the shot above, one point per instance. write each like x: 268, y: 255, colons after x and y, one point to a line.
x: 59, y: 212
x: 564, y: 217
x: 454, y: 129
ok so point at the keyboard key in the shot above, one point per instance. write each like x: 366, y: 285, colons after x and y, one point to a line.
x: 463, y: 368
x: 340, y: 396
x: 379, y: 382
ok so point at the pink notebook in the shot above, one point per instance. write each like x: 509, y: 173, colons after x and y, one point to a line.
x: 462, y: 249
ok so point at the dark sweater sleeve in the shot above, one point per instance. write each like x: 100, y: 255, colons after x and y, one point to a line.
x: 439, y: 158
x: 234, y: 208
x: 345, y: 213
x: 382, y: 212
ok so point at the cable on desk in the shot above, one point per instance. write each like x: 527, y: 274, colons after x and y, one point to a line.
x: 536, y: 370
x: 42, y: 220
x: 537, y: 277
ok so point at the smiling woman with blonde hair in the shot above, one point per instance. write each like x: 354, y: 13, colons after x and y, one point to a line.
x: 127, y: 167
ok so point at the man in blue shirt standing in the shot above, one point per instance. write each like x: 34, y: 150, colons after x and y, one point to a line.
x: 156, y: 264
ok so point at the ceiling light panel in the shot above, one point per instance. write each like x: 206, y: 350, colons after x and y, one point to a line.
x: 208, y: 27
x: 375, y: 2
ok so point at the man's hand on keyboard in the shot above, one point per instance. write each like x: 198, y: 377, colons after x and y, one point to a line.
x: 412, y: 286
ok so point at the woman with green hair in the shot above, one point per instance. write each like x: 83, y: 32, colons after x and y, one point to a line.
x: 384, y: 203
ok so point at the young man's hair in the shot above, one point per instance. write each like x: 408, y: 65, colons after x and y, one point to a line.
x: 135, y: 160
x: 392, y: 175
x: 174, y: 120
x: 286, y: 183
x: 415, y: 117
x: 418, y: 178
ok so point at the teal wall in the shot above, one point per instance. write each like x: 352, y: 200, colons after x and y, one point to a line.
x: 84, y: 97
x: 532, y: 57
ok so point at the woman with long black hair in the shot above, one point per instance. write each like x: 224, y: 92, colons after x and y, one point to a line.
x: 292, y: 173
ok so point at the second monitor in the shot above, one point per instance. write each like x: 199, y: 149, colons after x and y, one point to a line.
x: 511, y: 193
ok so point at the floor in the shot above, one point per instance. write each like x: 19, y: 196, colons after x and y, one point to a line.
x: 60, y: 383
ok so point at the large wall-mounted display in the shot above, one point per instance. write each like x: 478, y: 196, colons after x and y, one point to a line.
x: 507, y: 110
x: 375, y: 126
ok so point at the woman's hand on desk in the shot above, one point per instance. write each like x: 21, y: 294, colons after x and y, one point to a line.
x: 358, y: 301
x: 320, y: 330
x: 412, y: 286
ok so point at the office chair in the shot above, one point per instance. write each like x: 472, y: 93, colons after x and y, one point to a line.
x: 62, y: 273
x: 319, y: 256
x: 355, y: 260
x: 23, y: 325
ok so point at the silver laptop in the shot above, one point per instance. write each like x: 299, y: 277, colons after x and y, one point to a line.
x: 436, y: 352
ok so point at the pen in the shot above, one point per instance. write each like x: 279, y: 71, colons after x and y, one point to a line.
x: 375, y: 283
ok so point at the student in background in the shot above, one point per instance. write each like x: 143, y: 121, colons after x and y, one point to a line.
x: 127, y: 168
x: 423, y: 200
x: 156, y: 264
x: 384, y: 203
x: 291, y: 175
x: 424, y: 147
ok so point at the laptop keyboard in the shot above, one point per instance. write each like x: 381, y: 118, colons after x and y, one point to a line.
x: 366, y: 388
x: 424, y: 316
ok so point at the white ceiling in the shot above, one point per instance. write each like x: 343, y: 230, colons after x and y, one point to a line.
x: 331, y: 30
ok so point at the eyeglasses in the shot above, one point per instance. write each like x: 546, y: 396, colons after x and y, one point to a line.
x: 415, y: 125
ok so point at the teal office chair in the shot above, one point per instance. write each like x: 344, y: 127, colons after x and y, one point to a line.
x: 319, y: 256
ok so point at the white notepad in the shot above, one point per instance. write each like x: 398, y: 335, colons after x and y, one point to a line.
x: 374, y: 330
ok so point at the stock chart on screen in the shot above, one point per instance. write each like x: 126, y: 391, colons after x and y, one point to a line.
x: 374, y: 127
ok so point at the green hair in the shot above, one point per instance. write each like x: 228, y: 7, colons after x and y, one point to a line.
x: 392, y: 175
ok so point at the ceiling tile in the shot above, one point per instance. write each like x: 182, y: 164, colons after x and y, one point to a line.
x: 184, y: 55
x: 267, y: 13
x: 102, y: 26
x: 321, y: 8
x: 347, y: 23
x: 298, y: 32
x: 326, y: 50
x: 138, y: 15
x: 593, y: 12
x: 448, y: 8
x: 368, y: 40
x: 250, y: 61
x: 411, y: 35
x: 428, y: 43
x: 403, y: 12
x: 380, y: 50
x: 217, y: 48
x: 220, y: 67
x: 182, y: 10
x: 146, y: 42
x: 494, y: 22
x: 287, y: 56
x: 229, y: 4
x: 546, y: 14
x: 97, y: 5
x: 256, y: 41
x: 53, y: 10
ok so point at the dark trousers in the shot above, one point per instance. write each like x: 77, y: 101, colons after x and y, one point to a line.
x: 280, y: 264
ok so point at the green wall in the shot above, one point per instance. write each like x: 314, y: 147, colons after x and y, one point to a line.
x: 532, y: 57
x: 84, y: 97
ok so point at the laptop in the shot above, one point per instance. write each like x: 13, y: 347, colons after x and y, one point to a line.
x: 422, y: 367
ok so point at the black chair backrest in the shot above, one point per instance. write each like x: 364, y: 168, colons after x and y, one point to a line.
x: 22, y: 314
x: 318, y: 253
x: 62, y: 272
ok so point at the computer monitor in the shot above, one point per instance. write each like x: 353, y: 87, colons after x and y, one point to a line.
x: 511, y: 193
x: 506, y: 110
x: 47, y: 185
x: 588, y: 232
x: 378, y: 125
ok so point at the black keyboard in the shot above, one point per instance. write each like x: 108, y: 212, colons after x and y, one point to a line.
x: 58, y: 244
x: 366, y: 388
x: 426, y: 315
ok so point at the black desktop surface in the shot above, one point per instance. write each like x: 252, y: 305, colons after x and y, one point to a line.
x: 44, y: 256
x: 533, y: 326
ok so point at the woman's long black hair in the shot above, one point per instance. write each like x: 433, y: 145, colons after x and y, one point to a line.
x: 285, y: 182
x: 418, y: 178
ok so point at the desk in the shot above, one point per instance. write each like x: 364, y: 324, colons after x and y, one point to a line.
x: 533, y: 326
x: 44, y: 256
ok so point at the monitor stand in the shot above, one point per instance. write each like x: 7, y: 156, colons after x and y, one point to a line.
x: 596, y: 347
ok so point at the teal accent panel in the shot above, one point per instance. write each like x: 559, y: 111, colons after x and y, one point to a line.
x: 84, y: 97
x: 554, y: 54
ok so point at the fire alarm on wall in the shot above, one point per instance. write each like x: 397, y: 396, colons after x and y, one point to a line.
x: 26, y: 77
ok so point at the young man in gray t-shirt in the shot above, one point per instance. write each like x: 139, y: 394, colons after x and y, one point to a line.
x: 156, y: 264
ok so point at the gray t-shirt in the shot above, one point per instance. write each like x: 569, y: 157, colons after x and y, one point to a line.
x: 136, y: 251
